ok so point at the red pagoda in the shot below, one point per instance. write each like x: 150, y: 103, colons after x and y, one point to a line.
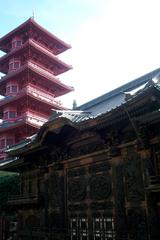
x: 30, y: 84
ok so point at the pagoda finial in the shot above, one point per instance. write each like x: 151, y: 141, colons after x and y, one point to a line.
x: 33, y: 14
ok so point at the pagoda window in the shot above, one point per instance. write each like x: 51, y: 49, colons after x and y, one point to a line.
x: 10, y: 115
x: 14, y: 88
x: 16, y: 42
x: 11, y: 88
x: 14, y: 64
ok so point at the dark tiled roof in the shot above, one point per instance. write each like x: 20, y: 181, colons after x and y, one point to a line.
x: 73, y: 116
x: 117, y: 96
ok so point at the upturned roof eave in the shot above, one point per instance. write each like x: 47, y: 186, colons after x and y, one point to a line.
x: 137, y: 100
x: 53, y: 78
x: 27, y: 94
x: 6, y: 37
x: 36, y: 143
x: 126, y: 87
x: 18, y: 124
x: 37, y: 47
x: 10, y: 164
x: 32, y: 21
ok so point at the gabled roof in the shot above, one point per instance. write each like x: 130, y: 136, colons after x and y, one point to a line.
x: 116, y: 97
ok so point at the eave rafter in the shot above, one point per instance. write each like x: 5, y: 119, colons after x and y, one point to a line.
x: 30, y: 50
x: 47, y: 78
x: 30, y: 28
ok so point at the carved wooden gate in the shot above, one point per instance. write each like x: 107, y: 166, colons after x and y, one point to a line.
x: 89, y: 202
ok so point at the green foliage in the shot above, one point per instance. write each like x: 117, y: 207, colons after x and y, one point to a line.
x: 9, y: 185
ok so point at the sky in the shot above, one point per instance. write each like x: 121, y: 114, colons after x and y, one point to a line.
x: 113, y: 41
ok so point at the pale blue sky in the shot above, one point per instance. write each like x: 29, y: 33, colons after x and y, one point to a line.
x: 113, y: 41
x: 60, y: 16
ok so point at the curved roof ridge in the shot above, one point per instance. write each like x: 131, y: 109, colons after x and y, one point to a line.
x: 123, y: 88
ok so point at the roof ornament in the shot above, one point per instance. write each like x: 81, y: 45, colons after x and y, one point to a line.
x: 134, y: 92
x: 156, y: 79
x: 33, y: 14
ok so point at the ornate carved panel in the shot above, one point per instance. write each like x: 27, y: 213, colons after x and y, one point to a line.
x: 77, y: 189
x: 133, y: 177
x: 100, y: 187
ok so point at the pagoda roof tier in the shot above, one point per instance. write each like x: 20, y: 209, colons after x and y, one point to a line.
x: 32, y: 50
x: 31, y: 94
x: 32, y: 29
x: 22, y: 123
x: 45, y: 79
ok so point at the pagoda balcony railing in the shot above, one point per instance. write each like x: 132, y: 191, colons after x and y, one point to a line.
x: 41, y: 69
x: 154, y: 183
x: 52, y: 51
x: 43, y: 47
x: 34, y: 91
x: 24, y: 199
x: 42, y: 94
x: 48, y: 53
x: 34, y: 118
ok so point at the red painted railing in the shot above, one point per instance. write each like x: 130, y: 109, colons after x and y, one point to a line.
x: 34, y: 118
x: 41, y: 68
x: 36, y: 92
